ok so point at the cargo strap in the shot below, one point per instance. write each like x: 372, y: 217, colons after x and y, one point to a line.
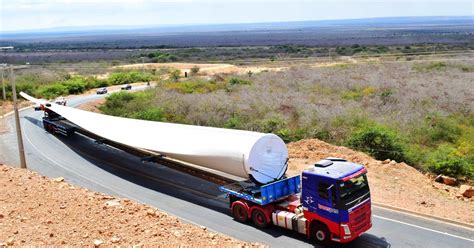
x: 286, y: 167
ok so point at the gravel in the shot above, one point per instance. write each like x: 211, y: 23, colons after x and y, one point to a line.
x: 37, y: 211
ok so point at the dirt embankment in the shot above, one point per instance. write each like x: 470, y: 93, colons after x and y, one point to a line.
x: 37, y: 211
x: 394, y: 184
x: 5, y: 108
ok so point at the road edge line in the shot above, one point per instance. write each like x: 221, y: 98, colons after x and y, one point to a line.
x: 11, y: 112
x: 423, y: 215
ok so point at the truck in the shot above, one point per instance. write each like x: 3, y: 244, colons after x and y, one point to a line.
x: 54, y: 123
x: 329, y: 202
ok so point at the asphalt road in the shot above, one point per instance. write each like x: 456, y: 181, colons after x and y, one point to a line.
x: 83, y: 162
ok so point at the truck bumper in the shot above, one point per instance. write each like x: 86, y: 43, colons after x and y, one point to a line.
x: 352, y: 237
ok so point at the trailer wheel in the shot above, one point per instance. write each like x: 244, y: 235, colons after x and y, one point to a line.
x: 320, y: 233
x: 259, y: 218
x: 48, y: 128
x: 240, y: 213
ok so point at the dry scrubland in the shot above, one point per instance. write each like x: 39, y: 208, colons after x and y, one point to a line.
x: 420, y: 113
x: 36, y: 211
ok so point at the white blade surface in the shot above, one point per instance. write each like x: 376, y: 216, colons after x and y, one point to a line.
x: 237, y: 152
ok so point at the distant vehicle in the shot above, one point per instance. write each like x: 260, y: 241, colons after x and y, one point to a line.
x: 102, y: 91
x: 126, y: 87
x: 61, y: 101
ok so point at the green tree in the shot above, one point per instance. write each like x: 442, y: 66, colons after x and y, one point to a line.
x: 195, y: 70
x: 175, y: 75
x: 380, y: 142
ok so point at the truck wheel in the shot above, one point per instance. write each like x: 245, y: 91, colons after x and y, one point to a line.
x: 259, y: 218
x: 320, y: 233
x: 240, y: 213
x: 48, y: 128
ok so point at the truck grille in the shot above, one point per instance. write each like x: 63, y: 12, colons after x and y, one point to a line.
x: 359, y: 219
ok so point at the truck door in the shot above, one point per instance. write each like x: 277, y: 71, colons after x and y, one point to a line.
x: 326, y: 201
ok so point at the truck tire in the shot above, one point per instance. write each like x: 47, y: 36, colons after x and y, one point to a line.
x: 259, y: 218
x: 320, y: 233
x: 48, y: 128
x: 239, y: 213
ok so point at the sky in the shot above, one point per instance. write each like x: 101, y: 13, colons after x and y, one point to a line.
x: 19, y: 15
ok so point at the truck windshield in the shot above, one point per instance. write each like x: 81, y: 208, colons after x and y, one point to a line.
x: 352, y: 189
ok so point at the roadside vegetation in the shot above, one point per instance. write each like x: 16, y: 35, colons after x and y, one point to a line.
x: 52, y: 85
x: 418, y: 113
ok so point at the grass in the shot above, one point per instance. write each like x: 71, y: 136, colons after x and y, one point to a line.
x: 442, y: 66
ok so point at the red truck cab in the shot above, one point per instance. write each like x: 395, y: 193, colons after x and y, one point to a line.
x: 330, y: 201
x: 336, y: 200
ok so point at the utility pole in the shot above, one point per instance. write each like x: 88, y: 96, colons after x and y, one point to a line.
x: 19, y: 137
x: 3, y: 86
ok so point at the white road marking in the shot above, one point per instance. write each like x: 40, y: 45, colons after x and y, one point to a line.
x: 414, y: 215
x: 59, y: 165
x: 424, y: 228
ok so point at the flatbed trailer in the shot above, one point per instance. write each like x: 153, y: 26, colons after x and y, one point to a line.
x: 330, y: 201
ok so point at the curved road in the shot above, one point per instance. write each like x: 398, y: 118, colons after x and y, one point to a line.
x: 83, y: 162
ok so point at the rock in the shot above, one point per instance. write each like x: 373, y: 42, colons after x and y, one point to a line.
x: 2, y: 245
x: 212, y: 235
x: 393, y: 162
x: 449, y: 180
x: 151, y: 212
x: 107, y: 197
x: 115, y: 240
x: 439, y: 178
x: 58, y: 179
x: 386, y: 161
x: 466, y: 191
x: 98, y: 242
x: 49, y: 222
x: 10, y: 241
x: 203, y: 228
x: 1, y: 216
x: 15, y: 232
x: 112, y: 203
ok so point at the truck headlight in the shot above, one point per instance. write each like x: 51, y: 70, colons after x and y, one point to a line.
x: 346, y: 229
